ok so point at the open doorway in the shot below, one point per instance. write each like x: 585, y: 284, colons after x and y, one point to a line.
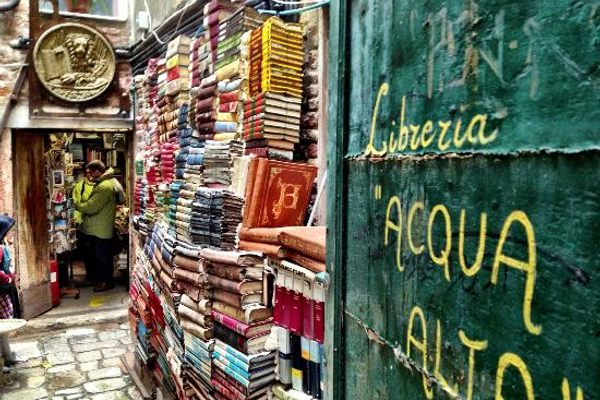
x: 46, y: 183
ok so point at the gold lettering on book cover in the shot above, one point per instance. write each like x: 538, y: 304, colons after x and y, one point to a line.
x: 288, y: 197
x: 74, y: 62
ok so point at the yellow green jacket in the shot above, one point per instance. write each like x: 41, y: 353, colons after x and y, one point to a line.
x: 100, y: 208
x: 81, y: 193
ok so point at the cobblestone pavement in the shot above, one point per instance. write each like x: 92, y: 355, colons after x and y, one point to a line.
x: 78, y: 363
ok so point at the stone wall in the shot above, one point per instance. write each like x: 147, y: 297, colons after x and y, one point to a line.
x: 13, y: 23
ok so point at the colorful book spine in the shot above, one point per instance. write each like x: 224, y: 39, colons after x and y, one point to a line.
x: 230, y: 362
x: 232, y: 372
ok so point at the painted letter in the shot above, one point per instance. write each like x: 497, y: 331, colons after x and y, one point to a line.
x: 414, y: 140
x: 473, y: 345
x: 420, y: 345
x: 458, y: 142
x: 451, y: 390
x: 445, y: 127
x: 471, y: 271
x: 427, y: 128
x: 478, y: 119
x: 566, y: 391
x: 529, y: 266
x: 394, y: 201
x: 510, y: 359
x: 371, y: 150
x: 442, y: 259
x: 411, y: 215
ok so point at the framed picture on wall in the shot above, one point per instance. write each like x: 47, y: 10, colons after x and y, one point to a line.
x: 58, y: 178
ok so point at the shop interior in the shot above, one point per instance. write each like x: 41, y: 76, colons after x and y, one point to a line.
x: 66, y: 155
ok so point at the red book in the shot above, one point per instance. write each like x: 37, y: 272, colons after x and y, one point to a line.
x: 296, y: 317
x: 280, y: 193
x: 308, y: 311
x: 229, y: 97
x: 261, y: 152
x: 319, y: 312
x: 278, y: 307
x: 229, y: 107
x: 288, y: 302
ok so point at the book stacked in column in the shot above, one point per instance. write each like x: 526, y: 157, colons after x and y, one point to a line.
x: 241, y: 366
x: 272, y: 116
x: 140, y: 309
x: 196, y: 321
x: 296, y: 258
x: 216, y: 214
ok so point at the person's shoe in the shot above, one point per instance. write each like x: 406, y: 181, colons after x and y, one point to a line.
x: 103, y: 287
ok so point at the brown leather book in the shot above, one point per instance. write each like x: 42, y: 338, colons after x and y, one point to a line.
x: 281, y: 193
x: 306, y: 262
x: 306, y: 240
x: 271, y: 250
x: 235, y: 272
x: 248, y: 315
x: 255, y: 200
x: 252, y: 169
x: 243, y: 287
x: 234, y: 299
x: 263, y: 235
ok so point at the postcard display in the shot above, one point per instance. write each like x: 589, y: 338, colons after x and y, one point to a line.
x: 60, y: 167
x: 218, y: 316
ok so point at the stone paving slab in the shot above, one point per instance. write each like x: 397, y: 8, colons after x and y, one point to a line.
x: 71, y: 364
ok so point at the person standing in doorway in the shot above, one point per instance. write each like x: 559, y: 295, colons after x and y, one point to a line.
x: 99, y: 220
x: 81, y: 194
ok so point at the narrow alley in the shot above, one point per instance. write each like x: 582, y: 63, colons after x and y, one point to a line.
x: 299, y: 199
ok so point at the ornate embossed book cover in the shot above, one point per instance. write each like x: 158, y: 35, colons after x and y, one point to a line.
x: 280, y: 194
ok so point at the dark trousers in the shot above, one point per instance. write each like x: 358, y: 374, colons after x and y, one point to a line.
x: 86, y: 252
x: 102, y: 250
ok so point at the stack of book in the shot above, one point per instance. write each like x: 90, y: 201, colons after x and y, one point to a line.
x: 272, y: 125
x: 231, y: 31
x: 299, y: 312
x: 216, y: 12
x: 279, y: 57
x: 183, y: 217
x: 216, y: 215
x: 178, y: 61
x: 237, y: 375
x: 304, y: 245
x: 171, y: 215
x: 140, y: 311
x: 198, y: 355
x: 218, y: 159
x: 242, y: 324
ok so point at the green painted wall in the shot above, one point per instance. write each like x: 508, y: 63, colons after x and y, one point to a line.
x: 513, y: 89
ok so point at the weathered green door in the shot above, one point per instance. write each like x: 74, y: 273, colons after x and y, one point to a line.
x: 464, y: 200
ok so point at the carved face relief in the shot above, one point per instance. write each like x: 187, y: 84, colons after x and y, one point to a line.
x: 74, y: 62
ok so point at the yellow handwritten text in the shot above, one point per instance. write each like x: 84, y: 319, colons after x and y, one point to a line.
x: 440, y: 216
x: 423, y: 136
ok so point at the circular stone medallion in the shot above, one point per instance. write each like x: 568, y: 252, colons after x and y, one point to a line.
x: 74, y: 62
